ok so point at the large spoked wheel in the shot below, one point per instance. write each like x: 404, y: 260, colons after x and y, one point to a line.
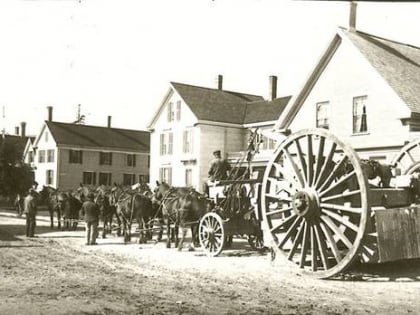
x: 408, y: 159
x: 211, y: 234
x: 315, y: 202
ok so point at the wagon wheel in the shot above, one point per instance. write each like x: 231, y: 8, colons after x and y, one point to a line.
x: 408, y: 159
x: 315, y: 202
x: 211, y: 234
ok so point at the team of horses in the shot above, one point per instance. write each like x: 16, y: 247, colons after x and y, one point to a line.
x: 166, y: 208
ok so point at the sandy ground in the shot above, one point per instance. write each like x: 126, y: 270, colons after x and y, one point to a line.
x: 56, y: 273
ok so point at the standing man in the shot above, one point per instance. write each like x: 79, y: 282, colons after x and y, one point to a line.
x: 219, y: 169
x: 90, y: 212
x: 29, y: 209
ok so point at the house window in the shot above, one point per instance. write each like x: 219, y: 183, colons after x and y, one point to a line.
x: 178, y: 110
x: 75, y: 157
x: 46, y: 136
x: 105, y: 158
x: 89, y: 178
x: 129, y: 179
x: 49, y: 178
x: 131, y: 160
x: 322, y: 115
x: 166, y: 143
x: 105, y: 179
x: 171, y: 112
x: 41, y: 156
x: 144, y: 179
x: 265, y: 143
x: 359, y: 114
x: 188, y: 141
x: 188, y: 177
x: 50, y: 156
x: 165, y: 175
x: 30, y: 156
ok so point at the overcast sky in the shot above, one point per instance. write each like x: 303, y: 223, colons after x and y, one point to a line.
x: 117, y: 57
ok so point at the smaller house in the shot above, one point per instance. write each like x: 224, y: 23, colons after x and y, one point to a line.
x: 193, y: 121
x: 67, y: 154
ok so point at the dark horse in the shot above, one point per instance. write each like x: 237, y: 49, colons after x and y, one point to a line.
x: 107, y: 209
x: 134, y: 206
x: 180, y: 206
x: 49, y: 197
x: 69, y: 207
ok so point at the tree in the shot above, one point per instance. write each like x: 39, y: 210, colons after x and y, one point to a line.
x: 15, y: 176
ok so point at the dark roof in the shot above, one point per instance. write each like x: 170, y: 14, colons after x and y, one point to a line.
x: 265, y: 110
x: 99, y: 137
x: 18, y: 141
x: 215, y: 105
x: 397, y: 63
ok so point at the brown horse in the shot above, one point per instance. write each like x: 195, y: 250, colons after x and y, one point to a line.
x: 49, y: 197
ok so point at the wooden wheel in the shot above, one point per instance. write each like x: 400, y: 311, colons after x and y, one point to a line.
x: 211, y: 234
x: 315, y: 202
x: 408, y: 159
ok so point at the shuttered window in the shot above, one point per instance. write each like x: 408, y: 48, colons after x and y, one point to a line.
x: 165, y: 175
x: 75, y: 157
x: 178, y: 110
x: 360, y: 114
x: 89, y: 178
x: 105, y: 158
x: 322, y: 115
x: 187, y: 141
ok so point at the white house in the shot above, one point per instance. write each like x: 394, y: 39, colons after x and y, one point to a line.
x: 65, y: 155
x: 365, y: 89
x: 194, y: 121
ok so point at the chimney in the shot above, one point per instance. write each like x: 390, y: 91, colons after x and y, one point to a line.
x: 17, y: 131
x: 109, y: 121
x: 23, y: 129
x: 273, y: 87
x: 50, y: 113
x: 220, y: 82
x: 353, y: 15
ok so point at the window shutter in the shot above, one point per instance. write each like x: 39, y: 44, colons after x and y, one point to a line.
x: 110, y: 158
x: 170, y: 145
x: 184, y: 141
x: 170, y: 175
x: 162, y: 140
x: 178, y: 110
x: 134, y: 160
x: 70, y: 156
x: 169, y: 111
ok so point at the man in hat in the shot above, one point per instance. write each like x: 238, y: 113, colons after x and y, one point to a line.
x: 90, y: 213
x: 219, y: 169
x: 30, y: 210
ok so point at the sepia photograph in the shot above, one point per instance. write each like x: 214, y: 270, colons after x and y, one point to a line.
x: 209, y: 157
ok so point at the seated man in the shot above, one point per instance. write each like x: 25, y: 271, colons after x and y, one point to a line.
x: 219, y: 169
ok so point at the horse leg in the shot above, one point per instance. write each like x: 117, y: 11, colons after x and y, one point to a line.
x: 168, y: 233
x: 51, y: 211
x: 176, y: 232
x: 59, y: 218
x: 104, y: 227
x: 160, y: 233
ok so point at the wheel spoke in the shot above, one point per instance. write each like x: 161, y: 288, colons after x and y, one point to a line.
x: 295, y: 168
x: 341, y: 219
x: 330, y: 177
x: 339, y: 182
x: 336, y: 230
x: 340, y: 207
x: 280, y: 211
x: 297, y: 240
x: 288, y: 177
x: 287, y: 220
x: 327, y: 161
x: 333, y: 245
x: 305, y: 242
x: 301, y: 159
x: 314, y: 250
x: 289, y: 199
x: 289, y: 232
x: 310, y: 161
x: 322, y: 246
x: 319, y: 159
x: 342, y: 195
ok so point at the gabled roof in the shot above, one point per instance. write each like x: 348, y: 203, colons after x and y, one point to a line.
x: 215, y: 105
x: 262, y: 111
x: 99, y: 137
x: 397, y: 63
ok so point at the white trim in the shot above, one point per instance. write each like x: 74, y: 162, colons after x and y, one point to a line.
x: 217, y: 123
x: 78, y: 148
x: 261, y: 124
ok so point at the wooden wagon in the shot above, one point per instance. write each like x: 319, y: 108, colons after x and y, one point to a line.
x: 321, y: 212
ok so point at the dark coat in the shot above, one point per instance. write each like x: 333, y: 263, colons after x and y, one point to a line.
x: 29, y: 205
x: 90, y: 211
x: 218, y: 169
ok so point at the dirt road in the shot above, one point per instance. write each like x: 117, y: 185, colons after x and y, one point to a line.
x: 56, y: 273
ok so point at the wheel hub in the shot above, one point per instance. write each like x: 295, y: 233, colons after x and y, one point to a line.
x: 306, y: 204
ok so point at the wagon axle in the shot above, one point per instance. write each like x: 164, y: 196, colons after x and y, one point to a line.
x: 306, y: 204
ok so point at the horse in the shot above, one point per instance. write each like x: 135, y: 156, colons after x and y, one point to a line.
x: 134, y: 206
x: 49, y: 197
x: 179, y: 206
x: 69, y: 207
x: 107, y: 210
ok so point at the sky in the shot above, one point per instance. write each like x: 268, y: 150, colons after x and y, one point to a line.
x: 117, y: 57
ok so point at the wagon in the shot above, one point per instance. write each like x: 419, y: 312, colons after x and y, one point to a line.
x: 234, y: 214
x: 321, y: 213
